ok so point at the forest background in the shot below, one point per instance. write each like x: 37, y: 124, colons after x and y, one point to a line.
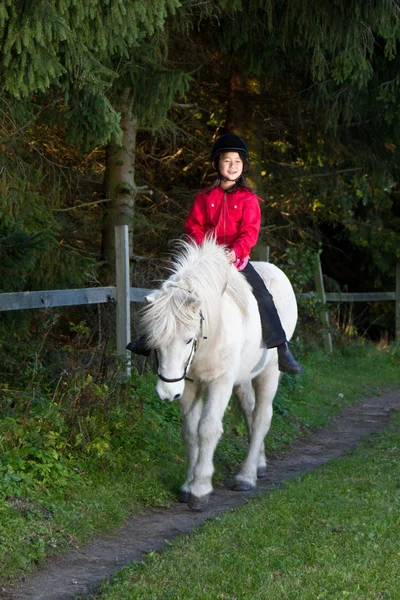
x: 108, y: 109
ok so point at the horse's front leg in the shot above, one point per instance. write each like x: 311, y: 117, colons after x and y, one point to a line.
x: 191, y: 405
x: 266, y: 385
x: 210, y: 430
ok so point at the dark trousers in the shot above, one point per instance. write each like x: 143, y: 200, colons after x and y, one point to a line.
x: 272, y: 330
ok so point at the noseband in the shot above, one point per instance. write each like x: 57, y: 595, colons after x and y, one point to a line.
x: 189, y: 360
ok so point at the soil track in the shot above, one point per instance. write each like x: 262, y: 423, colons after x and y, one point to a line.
x: 81, y: 571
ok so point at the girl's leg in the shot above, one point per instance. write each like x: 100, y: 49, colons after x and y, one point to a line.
x: 273, y: 333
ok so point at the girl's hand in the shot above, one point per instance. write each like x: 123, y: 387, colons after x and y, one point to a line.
x: 231, y: 255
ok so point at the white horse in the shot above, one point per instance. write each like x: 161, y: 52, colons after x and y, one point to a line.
x: 205, y: 327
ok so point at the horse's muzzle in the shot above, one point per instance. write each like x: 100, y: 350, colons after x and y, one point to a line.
x: 170, y: 391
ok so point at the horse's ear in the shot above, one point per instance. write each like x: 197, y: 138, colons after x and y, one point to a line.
x: 193, y: 302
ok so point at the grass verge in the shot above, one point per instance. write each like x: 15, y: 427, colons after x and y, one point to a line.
x: 330, y: 535
x: 78, y: 460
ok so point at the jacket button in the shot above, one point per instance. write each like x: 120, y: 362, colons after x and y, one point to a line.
x: 235, y: 206
x: 213, y: 205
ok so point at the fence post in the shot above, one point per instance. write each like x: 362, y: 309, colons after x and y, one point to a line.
x: 398, y: 302
x: 123, y: 294
x: 319, y: 284
x: 264, y: 253
x: 260, y: 253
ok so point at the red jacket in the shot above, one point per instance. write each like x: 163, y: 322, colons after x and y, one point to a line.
x: 234, y: 218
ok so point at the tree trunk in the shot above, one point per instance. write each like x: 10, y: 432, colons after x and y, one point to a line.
x: 120, y: 187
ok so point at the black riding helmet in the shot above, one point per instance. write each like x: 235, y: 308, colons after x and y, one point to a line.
x: 229, y: 142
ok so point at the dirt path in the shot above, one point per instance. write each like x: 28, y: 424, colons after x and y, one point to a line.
x: 81, y: 571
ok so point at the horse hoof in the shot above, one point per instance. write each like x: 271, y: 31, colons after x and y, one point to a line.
x: 184, y: 496
x: 261, y: 472
x: 242, y: 486
x: 198, y: 504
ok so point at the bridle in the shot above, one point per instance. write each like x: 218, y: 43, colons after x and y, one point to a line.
x: 189, y: 360
x: 185, y: 370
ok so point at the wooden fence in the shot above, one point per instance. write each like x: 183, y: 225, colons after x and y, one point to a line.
x: 122, y: 294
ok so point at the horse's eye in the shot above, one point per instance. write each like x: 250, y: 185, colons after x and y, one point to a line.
x: 191, y: 340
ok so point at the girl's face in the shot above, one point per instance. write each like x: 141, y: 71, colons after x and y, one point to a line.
x: 230, y: 165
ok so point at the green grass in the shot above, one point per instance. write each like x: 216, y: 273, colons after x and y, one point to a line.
x: 79, y: 462
x: 330, y: 535
x: 328, y: 384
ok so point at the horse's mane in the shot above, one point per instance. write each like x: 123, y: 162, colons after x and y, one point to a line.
x: 201, y: 274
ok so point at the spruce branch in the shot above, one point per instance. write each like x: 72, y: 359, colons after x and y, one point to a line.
x: 143, y: 189
x: 327, y: 174
x: 179, y: 105
x: 141, y: 258
x: 81, y: 205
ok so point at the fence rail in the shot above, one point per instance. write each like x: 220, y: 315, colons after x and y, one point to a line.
x: 101, y: 295
x: 126, y: 294
x: 77, y: 297
x: 352, y: 297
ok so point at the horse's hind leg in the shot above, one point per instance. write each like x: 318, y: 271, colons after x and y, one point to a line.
x: 266, y: 385
x: 191, y: 406
x: 245, y: 395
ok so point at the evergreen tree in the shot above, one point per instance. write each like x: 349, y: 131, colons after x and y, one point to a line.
x: 86, y: 66
x: 74, y: 47
x: 143, y: 93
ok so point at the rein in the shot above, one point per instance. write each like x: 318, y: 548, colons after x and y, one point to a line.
x: 189, y: 360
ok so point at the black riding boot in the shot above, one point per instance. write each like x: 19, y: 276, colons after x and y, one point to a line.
x: 139, y: 347
x: 272, y: 330
x: 286, y: 362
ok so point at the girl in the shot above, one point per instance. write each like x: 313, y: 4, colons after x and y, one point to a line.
x: 231, y: 211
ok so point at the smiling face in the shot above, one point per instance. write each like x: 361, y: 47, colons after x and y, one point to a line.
x: 230, y: 167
